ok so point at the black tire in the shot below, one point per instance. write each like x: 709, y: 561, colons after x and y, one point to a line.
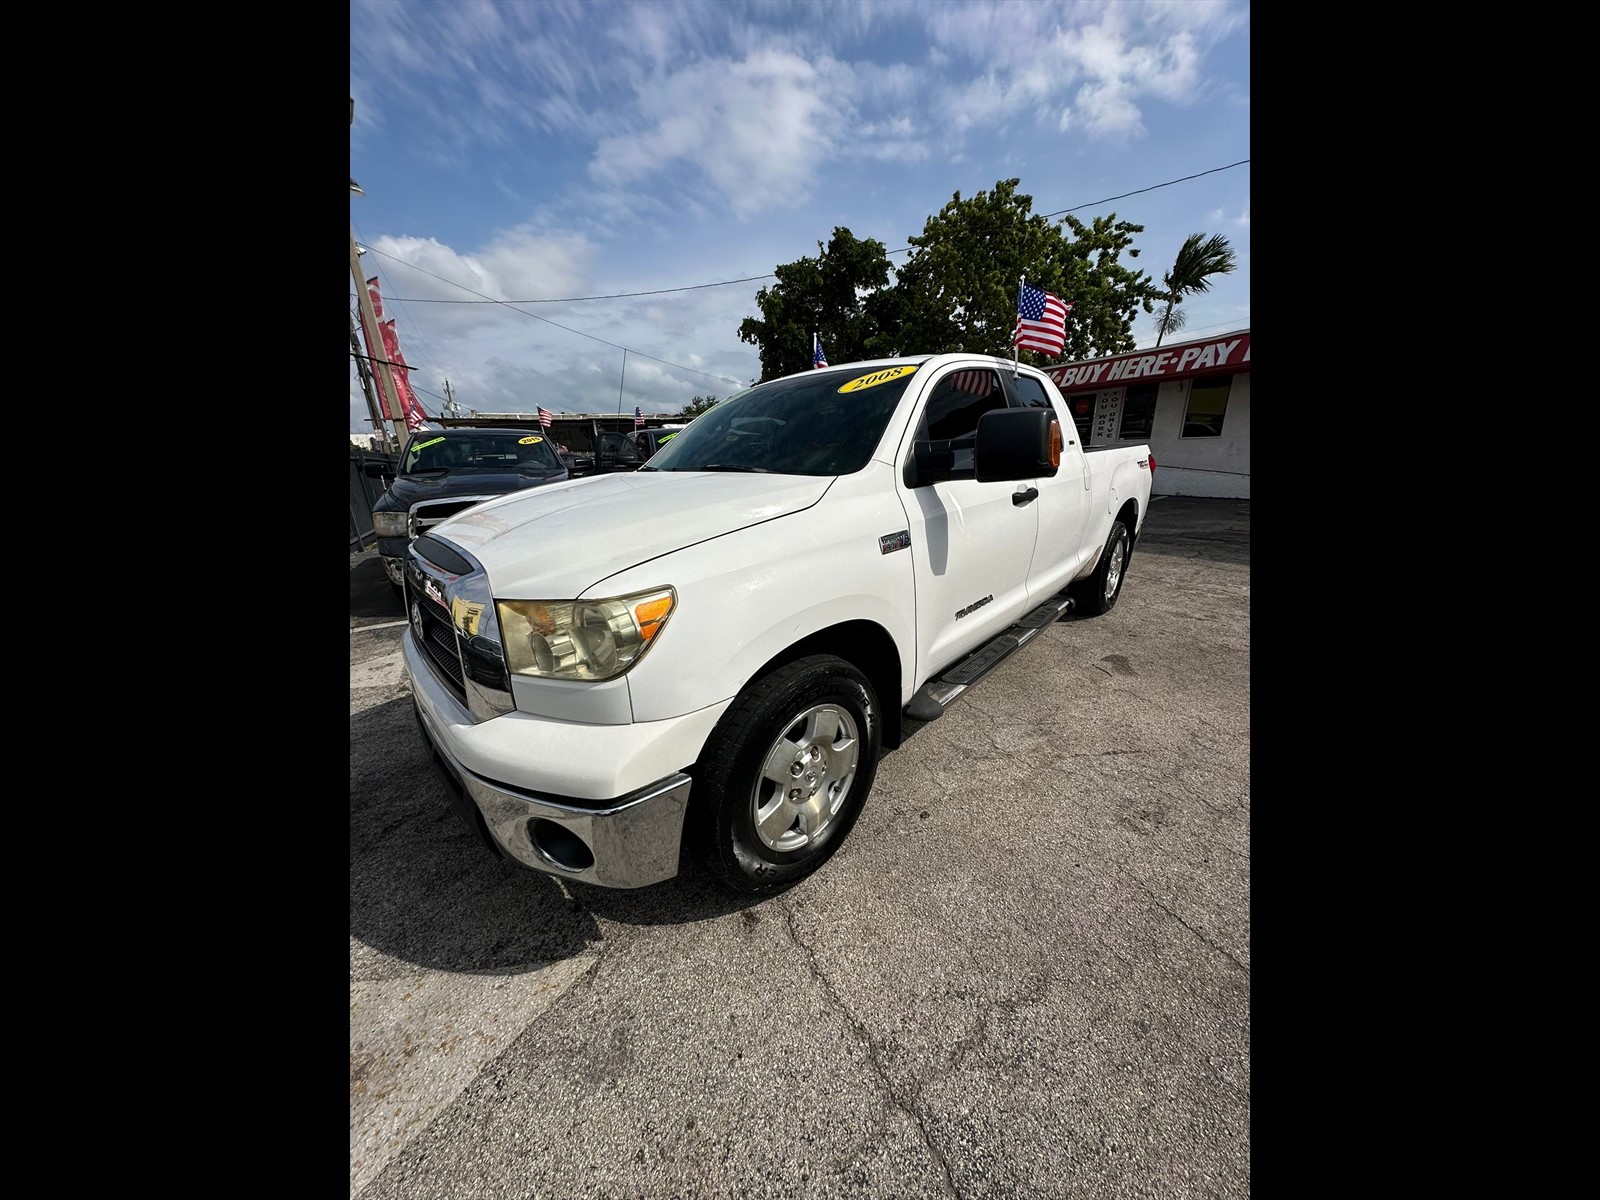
x: 1098, y: 594
x: 730, y: 788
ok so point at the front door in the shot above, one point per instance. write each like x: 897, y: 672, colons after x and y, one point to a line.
x: 971, y: 544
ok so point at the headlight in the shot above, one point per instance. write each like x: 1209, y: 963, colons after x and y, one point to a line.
x: 387, y: 524
x: 582, y: 639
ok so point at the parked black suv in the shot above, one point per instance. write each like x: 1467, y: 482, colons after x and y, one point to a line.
x: 443, y: 471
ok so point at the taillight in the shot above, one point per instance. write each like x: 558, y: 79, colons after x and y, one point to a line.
x: 1152, y: 466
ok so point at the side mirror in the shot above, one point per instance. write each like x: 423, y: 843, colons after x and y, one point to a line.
x: 377, y: 470
x: 1016, y: 443
x: 931, y: 462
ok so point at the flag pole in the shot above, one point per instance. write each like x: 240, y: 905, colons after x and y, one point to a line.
x: 1022, y: 282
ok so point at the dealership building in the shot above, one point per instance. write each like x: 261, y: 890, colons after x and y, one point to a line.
x: 1190, y: 402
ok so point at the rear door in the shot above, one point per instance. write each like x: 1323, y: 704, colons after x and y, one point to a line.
x: 971, y: 542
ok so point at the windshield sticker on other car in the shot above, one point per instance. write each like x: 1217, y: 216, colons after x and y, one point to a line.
x: 529, y: 441
x: 429, y: 442
x: 885, y: 376
x: 667, y: 439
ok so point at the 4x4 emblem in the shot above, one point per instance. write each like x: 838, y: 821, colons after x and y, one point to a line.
x: 432, y: 589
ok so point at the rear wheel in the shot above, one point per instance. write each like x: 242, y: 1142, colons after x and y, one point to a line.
x: 785, y: 774
x: 1098, y: 593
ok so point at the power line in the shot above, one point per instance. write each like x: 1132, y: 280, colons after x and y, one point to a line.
x: 1151, y: 188
x: 694, y: 287
x: 415, y: 331
x: 513, y: 307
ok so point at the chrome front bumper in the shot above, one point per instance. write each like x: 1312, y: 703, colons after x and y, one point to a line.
x: 628, y: 842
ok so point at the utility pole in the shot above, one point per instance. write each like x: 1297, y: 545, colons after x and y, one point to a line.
x: 380, y: 366
x: 450, y: 400
x: 369, y: 325
x: 365, y: 372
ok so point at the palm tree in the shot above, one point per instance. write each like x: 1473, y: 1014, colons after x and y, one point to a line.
x: 1199, y: 258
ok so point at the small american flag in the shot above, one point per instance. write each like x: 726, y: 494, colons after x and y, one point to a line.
x: 978, y: 383
x: 1041, y: 321
x: 818, y: 358
x: 545, y: 416
x: 638, y: 417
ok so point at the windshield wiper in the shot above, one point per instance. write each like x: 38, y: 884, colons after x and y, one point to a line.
x: 728, y: 467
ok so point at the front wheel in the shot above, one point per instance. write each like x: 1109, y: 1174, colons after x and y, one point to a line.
x: 1098, y: 593
x: 785, y: 774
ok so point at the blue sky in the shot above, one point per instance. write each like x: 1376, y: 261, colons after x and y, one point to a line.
x: 552, y: 149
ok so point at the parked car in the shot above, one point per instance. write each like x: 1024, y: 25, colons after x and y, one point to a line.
x: 648, y: 441
x: 748, y: 616
x: 443, y: 472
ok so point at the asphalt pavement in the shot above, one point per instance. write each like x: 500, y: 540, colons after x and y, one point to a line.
x: 1025, y: 974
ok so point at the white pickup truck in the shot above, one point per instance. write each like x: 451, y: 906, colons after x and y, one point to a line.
x: 711, y: 651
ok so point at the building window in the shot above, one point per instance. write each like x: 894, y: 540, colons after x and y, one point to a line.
x: 1138, y: 411
x: 1081, y: 406
x: 1208, y: 403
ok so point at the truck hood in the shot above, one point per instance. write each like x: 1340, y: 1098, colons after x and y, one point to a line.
x: 406, y: 490
x: 556, y: 542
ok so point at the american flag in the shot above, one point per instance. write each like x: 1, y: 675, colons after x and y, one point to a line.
x: 818, y: 358
x: 545, y: 416
x: 638, y: 417
x: 1041, y: 321
x: 978, y: 383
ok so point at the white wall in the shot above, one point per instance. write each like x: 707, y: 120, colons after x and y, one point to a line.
x: 1209, y: 466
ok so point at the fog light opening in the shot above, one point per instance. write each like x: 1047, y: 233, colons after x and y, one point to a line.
x: 560, y: 845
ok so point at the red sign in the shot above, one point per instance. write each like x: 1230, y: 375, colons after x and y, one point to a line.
x: 1171, y: 362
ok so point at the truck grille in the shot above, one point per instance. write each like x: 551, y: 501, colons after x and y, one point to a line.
x: 453, y: 620
x: 426, y: 515
x: 438, y: 642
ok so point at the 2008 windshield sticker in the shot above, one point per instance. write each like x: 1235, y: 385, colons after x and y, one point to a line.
x: 429, y: 442
x: 877, y: 377
x: 529, y: 441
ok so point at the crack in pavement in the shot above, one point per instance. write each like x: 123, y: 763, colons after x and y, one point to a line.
x: 1033, y: 992
x: 1157, y: 899
x: 872, y: 1051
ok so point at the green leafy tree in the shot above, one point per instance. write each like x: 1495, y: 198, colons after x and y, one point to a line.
x: 1199, y: 258
x: 696, y: 406
x: 959, y: 289
x: 832, y: 296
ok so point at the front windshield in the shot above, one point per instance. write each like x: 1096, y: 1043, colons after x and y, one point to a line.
x: 825, y: 423
x: 480, y: 450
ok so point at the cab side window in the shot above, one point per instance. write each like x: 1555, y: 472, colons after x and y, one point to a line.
x: 1030, y: 393
x: 952, y: 412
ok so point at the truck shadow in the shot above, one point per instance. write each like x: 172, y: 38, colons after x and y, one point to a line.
x: 371, y: 597
x: 422, y: 888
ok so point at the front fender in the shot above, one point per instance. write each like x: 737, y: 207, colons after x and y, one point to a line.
x: 746, y: 597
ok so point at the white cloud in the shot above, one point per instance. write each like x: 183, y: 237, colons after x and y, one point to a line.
x: 755, y: 129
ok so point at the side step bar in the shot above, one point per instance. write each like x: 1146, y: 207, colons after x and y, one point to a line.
x: 937, y: 694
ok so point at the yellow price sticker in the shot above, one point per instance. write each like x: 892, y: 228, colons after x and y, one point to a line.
x: 887, y: 375
x: 529, y: 441
x: 426, y: 444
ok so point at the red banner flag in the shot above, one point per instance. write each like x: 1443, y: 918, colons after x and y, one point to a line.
x: 409, y: 404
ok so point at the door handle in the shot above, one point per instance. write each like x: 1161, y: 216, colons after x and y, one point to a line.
x: 1026, y: 497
